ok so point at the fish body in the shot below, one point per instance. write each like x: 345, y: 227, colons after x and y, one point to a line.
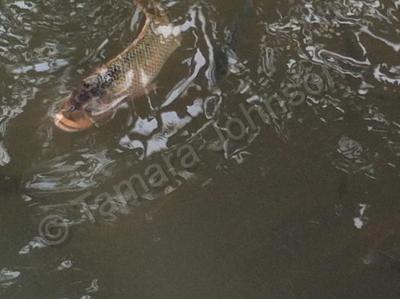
x: 130, y: 74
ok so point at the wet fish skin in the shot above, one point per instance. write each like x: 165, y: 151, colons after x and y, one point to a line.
x: 129, y: 74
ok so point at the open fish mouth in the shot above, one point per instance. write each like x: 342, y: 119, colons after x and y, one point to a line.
x: 129, y: 75
x: 68, y: 125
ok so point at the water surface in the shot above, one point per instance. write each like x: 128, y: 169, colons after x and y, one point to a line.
x: 264, y: 169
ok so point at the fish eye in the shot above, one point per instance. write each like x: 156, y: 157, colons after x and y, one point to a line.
x: 72, y: 108
x: 85, y: 85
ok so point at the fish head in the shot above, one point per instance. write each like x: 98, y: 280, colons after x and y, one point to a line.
x: 84, y: 107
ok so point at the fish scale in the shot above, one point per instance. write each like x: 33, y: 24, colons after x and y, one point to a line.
x: 127, y: 75
x: 146, y: 57
x: 143, y: 60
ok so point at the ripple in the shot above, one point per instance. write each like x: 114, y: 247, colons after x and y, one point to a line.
x: 321, y: 76
x: 4, y: 156
x: 64, y: 174
x: 8, y: 276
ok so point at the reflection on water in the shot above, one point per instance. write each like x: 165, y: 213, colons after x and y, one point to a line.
x: 265, y: 163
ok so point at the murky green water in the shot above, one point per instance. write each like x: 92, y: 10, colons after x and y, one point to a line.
x: 270, y: 170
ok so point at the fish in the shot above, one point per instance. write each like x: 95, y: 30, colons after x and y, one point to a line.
x: 131, y: 74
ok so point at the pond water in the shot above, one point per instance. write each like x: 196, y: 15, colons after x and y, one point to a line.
x: 264, y: 165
